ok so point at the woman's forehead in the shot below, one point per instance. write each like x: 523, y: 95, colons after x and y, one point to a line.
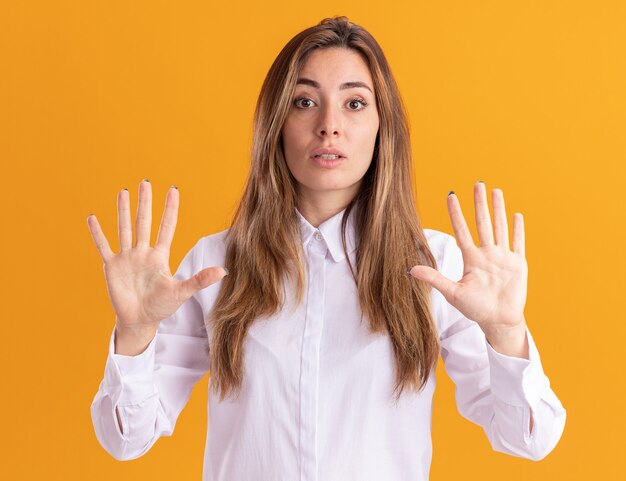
x: 342, y: 67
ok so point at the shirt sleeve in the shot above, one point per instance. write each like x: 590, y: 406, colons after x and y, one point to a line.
x: 150, y: 389
x: 495, y: 391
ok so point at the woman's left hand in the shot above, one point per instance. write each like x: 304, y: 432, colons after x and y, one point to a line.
x: 492, y: 291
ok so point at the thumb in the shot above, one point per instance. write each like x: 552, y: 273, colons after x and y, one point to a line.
x: 434, y: 278
x: 202, y: 279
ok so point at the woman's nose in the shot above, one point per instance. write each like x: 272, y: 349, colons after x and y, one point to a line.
x: 329, y: 122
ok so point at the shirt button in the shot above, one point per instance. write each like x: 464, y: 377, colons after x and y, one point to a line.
x: 318, y: 236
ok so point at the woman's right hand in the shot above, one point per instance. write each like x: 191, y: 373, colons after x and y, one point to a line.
x: 141, y: 287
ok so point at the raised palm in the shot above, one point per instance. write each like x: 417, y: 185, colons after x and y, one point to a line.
x: 141, y: 287
x: 493, y: 288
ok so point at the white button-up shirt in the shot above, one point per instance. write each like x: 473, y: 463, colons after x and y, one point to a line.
x: 317, y: 397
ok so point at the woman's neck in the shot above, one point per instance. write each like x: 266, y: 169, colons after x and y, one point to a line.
x: 315, y: 214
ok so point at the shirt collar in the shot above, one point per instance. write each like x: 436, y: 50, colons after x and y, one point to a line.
x: 330, y: 230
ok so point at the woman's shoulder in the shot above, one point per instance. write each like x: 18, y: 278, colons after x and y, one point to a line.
x: 215, y: 240
x: 438, y: 241
x: 437, y: 238
x: 214, y: 244
x: 209, y: 250
x: 446, y: 252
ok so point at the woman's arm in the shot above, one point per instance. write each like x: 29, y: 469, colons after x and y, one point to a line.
x: 486, y: 346
x: 509, y: 397
x: 141, y: 396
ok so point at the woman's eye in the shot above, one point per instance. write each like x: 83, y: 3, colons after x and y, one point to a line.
x: 357, y: 101
x: 301, y: 99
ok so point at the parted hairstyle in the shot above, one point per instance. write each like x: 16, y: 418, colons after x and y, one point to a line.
x: 262, y: 253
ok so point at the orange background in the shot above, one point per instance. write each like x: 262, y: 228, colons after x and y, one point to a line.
x: 94, y: 96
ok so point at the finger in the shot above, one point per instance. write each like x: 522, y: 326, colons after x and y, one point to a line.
x: 499, y: 218
x: 168, y: 220
x: 483, y: 218
x: 202, y: 279
x: 99, y: 239
x: 123, y: 220
x: 436, y: 279
x: 461, y: 231
x: 519, y: 240
x: 144, y: 213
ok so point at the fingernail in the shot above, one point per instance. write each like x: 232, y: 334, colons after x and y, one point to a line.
x: 451, y: 192
x: 146, y: 180
x: 124, y: 188
x: 409, y: 271
x: 481, y: 181
x: 225, y: 270
x: 175, y: 187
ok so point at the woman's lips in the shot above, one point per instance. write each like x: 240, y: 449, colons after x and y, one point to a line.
x: 328, y: 150
x: 327, y: 163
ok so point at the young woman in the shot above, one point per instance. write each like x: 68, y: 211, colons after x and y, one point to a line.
x: 321, y: 349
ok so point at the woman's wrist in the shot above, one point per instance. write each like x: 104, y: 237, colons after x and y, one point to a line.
x: 509, y: 340
x: 131, y: 341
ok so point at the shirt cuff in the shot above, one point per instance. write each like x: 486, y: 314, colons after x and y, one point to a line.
x: 516, y: 381
x: 130, y: 379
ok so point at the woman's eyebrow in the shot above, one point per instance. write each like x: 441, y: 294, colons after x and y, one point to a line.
x: 343, y: 86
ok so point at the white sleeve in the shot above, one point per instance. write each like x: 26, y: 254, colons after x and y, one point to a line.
x: 496, y: 391
x: 151, y: 389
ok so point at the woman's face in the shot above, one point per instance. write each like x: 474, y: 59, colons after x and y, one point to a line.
x: 333, y: 107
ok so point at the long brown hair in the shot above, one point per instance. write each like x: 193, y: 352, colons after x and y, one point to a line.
x: 261, y: 252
